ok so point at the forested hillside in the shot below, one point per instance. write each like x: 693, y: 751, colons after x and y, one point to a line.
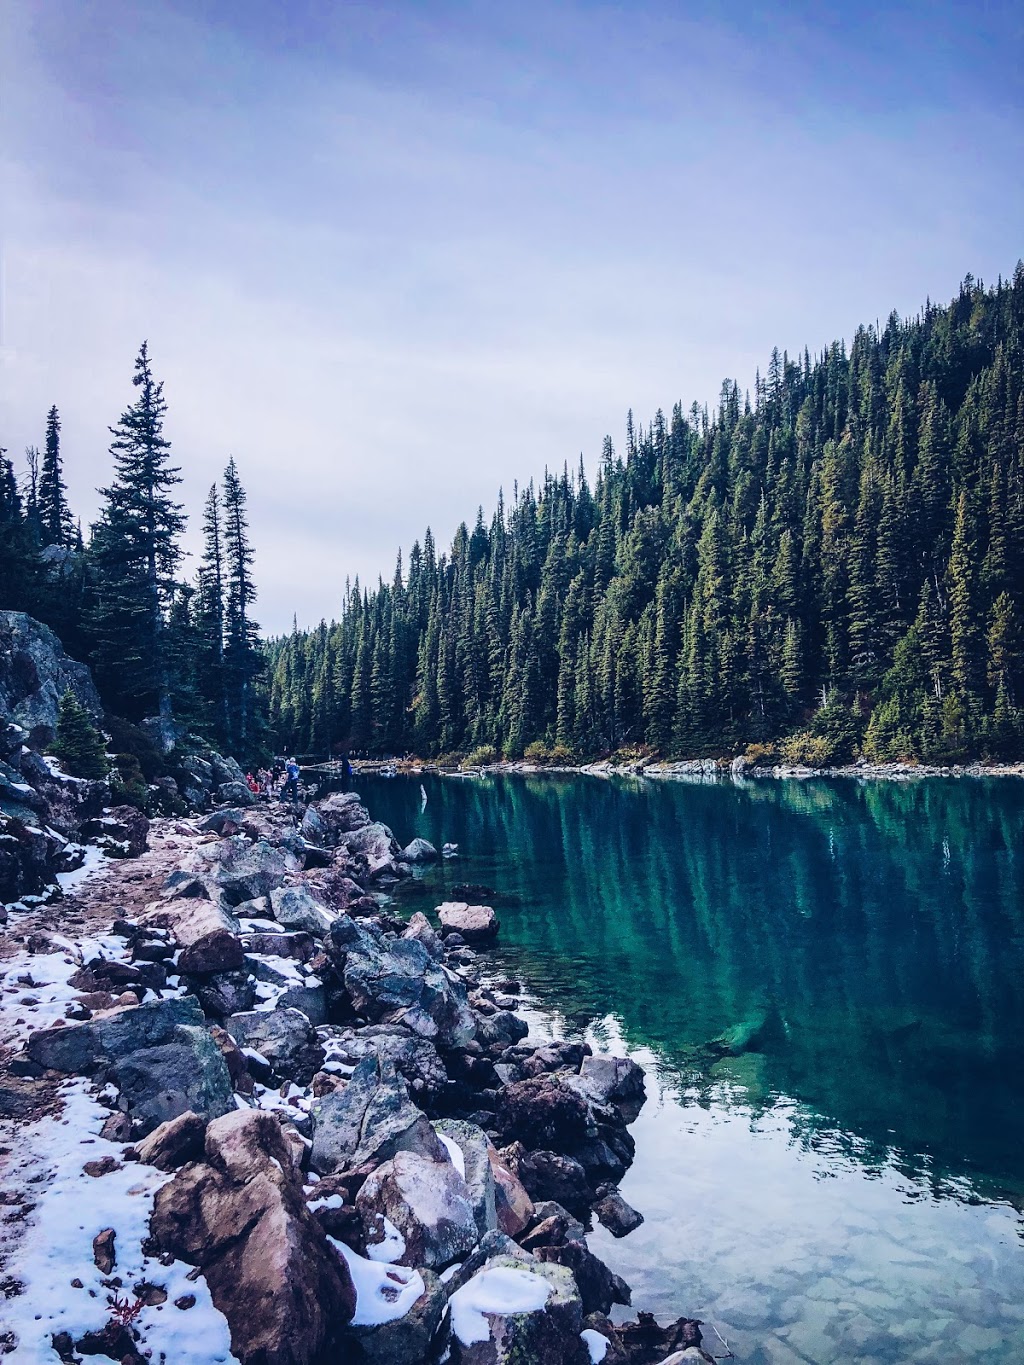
x: 831, y: 564
x: 160, y: 647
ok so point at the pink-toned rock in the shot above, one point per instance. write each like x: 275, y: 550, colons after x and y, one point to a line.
x: 240, y: 1216
x: 474, y: 922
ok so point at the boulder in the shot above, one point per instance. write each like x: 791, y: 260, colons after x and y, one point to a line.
x: 294, y: 908
x: 500, y: 1030
x: 514, y: 1209
x: 414, y: 1058
x: 342, y: 813
x: 206, y: 934
x: 398, y: 981
x: 515, y: 1311
x: 241, y: 871
x: 284, y: 1037
x: 407, y: 1339
x: 312, y: 827
x: 225, y: 769
x: 475, y: 923
x: 374, y: 842
x: 420, y: 929
x: 34, y: 675
x: 223, y: 993
x: 371, y: 1119
x: 615, y: 1081
x: 544, y: 1112
x: 616, y: 1215
x: 240, y: 1216
x: 468, y: 1147
x: 173, y: 1143
x: 419, y: 851
x: 236, y: 793
x: 161, y: 1082
x: 87, y: 1048
x: 599, y: 1288
x: 417, y: 1212
x: 550, y: 1175
x: 121, y: 831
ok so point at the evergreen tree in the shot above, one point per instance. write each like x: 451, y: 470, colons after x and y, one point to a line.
x: 241, y: 655
x: 56, y: 521
x: 78, y: 744
x: 135, y: 552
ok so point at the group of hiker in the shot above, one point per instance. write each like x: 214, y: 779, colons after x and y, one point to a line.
x: 264, y: 782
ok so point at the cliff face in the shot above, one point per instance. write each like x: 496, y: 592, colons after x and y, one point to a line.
x: 34, y: 674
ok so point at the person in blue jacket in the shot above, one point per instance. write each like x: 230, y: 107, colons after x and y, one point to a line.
x: 290, y: 790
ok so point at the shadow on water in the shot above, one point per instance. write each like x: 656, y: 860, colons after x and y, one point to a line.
x: 857, y: 948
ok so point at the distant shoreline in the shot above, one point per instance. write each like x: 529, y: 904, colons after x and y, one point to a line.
x: 702, y: 769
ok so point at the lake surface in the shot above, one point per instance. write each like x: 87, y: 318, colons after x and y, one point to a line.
x: 825, y: 981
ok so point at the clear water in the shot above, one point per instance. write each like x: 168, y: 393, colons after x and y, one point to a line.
x: 848, y: 1185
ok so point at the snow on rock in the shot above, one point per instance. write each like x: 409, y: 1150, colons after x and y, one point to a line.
x: 383, y: 1292
x: 392, y: 1248
x: 596, y: 1344
x: 455, y: 1152
x: 499, y: 1290
x: 56, y: 1247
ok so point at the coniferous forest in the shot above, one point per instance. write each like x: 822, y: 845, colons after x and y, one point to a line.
x: 828, y: 566
x: 182, y: 653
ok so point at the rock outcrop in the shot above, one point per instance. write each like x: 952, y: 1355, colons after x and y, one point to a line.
x: 35, y: 673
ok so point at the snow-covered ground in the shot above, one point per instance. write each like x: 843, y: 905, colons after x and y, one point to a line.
x: 62, y: 1288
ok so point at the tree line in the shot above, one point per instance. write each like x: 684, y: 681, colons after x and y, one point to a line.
x: 831, y: 566
x: 159, y: 645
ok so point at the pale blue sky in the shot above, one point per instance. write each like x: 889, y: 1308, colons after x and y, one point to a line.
x: 392, y: 256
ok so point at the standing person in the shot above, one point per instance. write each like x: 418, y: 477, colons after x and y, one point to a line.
x: 346, y: 773
x: 290, y: 790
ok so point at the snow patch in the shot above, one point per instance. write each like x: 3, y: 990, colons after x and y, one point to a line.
x: 500, y: 1290
x: 57, y: 1245
x: 595, y: 1343
x: 383, y: 1292
x: 392, y: 1246
x: 458, y: 1160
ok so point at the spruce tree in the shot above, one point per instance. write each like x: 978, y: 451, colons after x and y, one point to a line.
x: 135, y: 550
x: 241, y: 655
x: 56, y: 522
x: 78, y: 744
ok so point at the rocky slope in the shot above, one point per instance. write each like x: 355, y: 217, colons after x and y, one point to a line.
x: 280, y: 1126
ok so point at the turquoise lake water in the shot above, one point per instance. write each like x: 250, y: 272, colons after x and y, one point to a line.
x: 825, y: 981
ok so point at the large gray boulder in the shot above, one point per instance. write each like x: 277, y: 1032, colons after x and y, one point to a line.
x: 397, y: 981
x: 516, y: 1311
x: 419, y: 851
x: 416, y: 1211
x: 342, y: 813
x: 159, y: 1055
x: 476, y: 923
x: 373, y: 841
x: 413, y: 1057
x: 370, y: 1119
x: 241, y: 871
x: 206, y: 934
x: 34, y: 675
x: 408, y: 1339
x: 294, y: 908
x: 285, y: 1038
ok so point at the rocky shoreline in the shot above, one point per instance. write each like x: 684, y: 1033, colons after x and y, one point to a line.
x: 710, y: 769
x: 283, y: 1126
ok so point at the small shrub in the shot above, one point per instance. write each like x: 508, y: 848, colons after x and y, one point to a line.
x: 561, y: 755
x: 807, y: 750
x: 481, y: 756
x: 537, y: 752
x: 127, y: 783
x: 761, y: 755
x: 126, y: 738
x: 449, y: 760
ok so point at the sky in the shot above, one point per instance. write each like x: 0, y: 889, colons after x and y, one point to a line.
x: 392, y: 257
